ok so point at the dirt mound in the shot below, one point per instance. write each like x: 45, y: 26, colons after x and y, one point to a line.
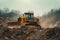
x: 50, y: 34
x: 29, y: 34
x: 9, y: 34
x: 14, y: 34
x: 46, y: 34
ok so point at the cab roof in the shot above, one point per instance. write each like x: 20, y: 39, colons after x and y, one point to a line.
x: 28, y: 13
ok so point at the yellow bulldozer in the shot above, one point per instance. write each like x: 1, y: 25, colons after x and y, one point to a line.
x: 28, y: 19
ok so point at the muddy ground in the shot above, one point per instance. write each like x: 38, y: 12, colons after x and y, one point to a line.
x: 18, y: 34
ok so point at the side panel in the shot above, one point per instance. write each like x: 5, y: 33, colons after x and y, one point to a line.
x: 23, y: 20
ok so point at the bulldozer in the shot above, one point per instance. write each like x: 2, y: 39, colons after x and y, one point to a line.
x: 28, y: 19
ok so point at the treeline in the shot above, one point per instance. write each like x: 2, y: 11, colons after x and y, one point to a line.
x: 9, y: 13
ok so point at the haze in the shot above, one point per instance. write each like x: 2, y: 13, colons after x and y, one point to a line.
x: 39, y: 7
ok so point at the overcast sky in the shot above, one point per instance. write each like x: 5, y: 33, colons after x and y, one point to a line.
x: 39, y: 7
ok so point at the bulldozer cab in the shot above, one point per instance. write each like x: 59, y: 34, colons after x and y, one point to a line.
x: 29, y: 16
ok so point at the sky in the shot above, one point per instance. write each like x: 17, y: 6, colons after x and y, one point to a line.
x: 39, y: 7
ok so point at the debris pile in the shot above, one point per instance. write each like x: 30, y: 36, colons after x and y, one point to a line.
x: 50, y: 34
x: 14, y: 34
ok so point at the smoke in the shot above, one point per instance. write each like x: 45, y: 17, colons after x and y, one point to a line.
x: 51, y: 19
x: 6, y: 13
